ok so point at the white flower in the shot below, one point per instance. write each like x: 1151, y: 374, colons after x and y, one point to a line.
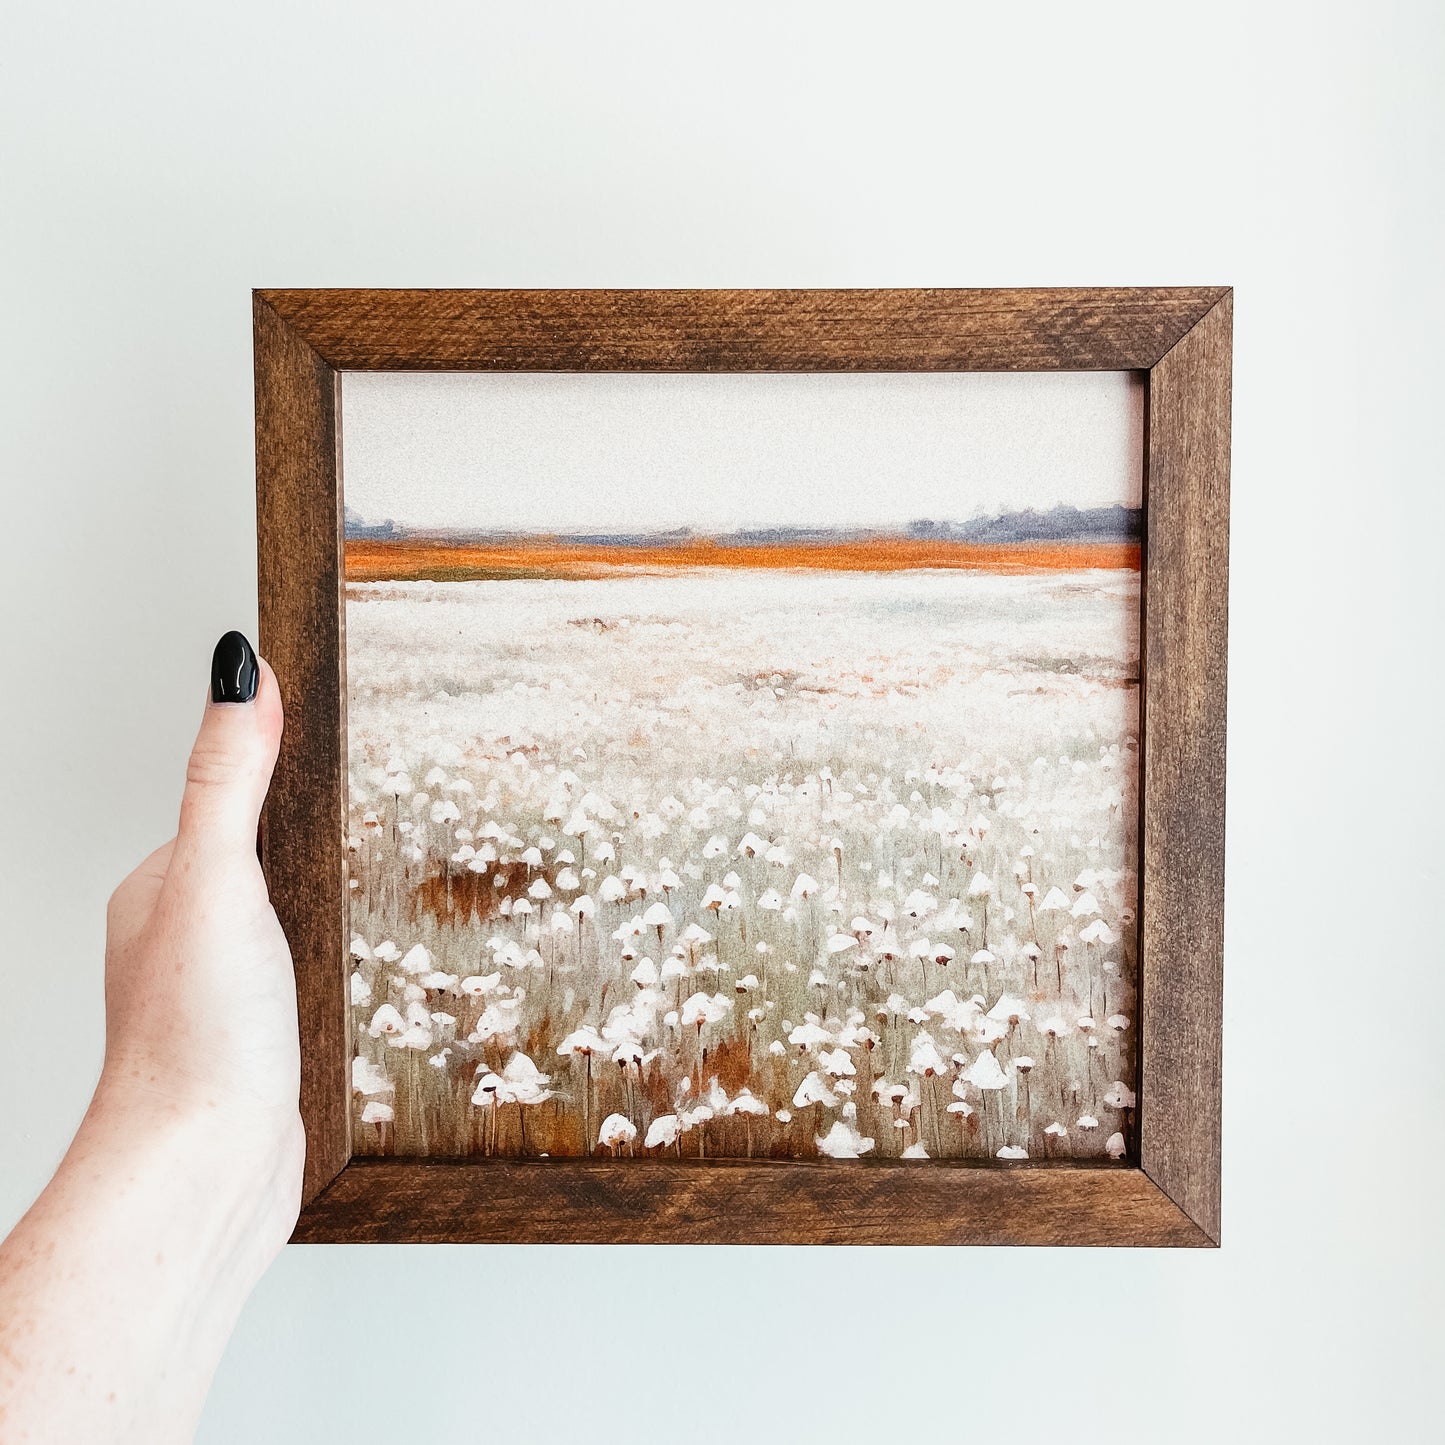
x: 955, y: 1014
x: 843, y: 1141
x: 368, y: 1079
x: 918, y: 904
x: 498, y: 1020
x: 386, y: 1020
x: 923, y: 1056
x: 417, y: 960
x: 814, y: 1091
x: 700, y: 1009
x: 523, y: 1083
x: 809, y: 1034
x: 616, y: 1129
x: 658, y: 916
x: 985, y: 1073
x: 585, y: 1040
x: 661, y: 1132
x: 1009, y: 1009
x: 747, y: 1103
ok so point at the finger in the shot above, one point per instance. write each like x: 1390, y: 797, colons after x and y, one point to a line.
x: 235, y: 751
x: 134, y: 899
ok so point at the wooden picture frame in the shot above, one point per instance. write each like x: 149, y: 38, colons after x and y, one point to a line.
x: 1180, y: 338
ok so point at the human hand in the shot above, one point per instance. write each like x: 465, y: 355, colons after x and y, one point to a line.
x: 200, y: 997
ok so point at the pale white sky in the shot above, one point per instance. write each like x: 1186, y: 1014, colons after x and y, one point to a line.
x: 559, y: 452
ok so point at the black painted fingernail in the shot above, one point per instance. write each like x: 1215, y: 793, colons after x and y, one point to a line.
x: 234, y: 673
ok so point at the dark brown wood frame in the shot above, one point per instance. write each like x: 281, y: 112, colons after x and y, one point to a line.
x: 1180, y: 338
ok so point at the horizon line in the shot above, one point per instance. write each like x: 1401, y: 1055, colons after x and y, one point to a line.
x: 1062, y: 522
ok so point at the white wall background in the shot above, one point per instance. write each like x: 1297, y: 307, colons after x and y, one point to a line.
x: 160, y: 160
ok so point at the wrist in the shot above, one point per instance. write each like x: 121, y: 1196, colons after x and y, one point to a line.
x: 242, y: 1171
x: 121, y: 1285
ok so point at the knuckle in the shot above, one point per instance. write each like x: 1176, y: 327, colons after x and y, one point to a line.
x: 219, y: 767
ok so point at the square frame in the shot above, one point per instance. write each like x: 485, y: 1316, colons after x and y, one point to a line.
x: 1180, y: 338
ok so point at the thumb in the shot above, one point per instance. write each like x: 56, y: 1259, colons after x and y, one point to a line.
x: 235, y: 751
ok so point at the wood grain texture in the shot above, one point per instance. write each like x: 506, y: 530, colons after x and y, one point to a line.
x: 299, y: 553
x: 1186, y: 592
x: 393, y: 1201
x: 1105, y: 329
x: 304, y: 337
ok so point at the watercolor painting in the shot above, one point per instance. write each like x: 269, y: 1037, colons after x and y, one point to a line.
x: 743, y: 766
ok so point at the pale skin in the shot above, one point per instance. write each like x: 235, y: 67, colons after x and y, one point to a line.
x: 120, y: 1287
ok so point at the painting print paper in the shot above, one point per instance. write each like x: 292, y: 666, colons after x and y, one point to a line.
x: 743, y: 766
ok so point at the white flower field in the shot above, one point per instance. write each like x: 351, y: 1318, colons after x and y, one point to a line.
x: 723, y: 862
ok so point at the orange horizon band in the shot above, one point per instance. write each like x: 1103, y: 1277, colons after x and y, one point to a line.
x: 378, y: 561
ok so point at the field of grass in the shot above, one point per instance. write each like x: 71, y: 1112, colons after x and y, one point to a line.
x: 707, y: 861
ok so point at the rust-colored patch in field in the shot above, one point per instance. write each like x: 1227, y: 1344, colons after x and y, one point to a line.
x: 414, y: 561
x: 731, y: 1062
x: 461, y: 896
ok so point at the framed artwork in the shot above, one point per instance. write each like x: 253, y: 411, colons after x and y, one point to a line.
x: 754, y: 760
